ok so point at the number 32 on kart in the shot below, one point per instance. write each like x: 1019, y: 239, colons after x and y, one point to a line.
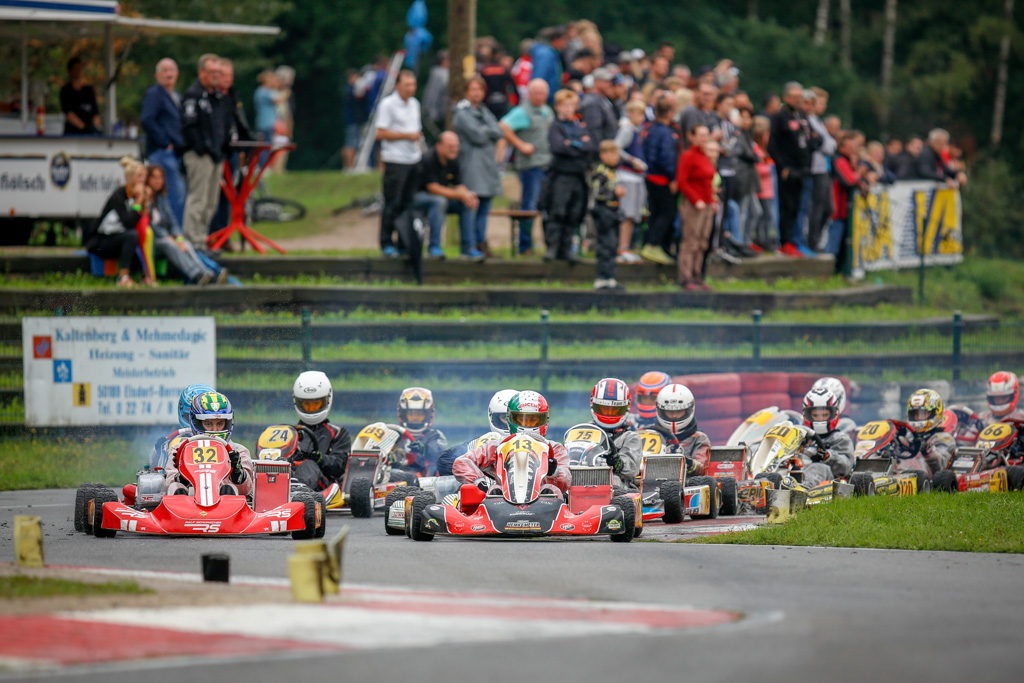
x: 205, y: 456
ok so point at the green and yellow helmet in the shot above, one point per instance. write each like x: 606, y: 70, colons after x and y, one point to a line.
x: 208, y: 408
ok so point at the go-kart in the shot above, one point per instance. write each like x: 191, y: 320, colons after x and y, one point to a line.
x: 521, y: 505
x: 728, y: 466
x: 279, y: 444
x: 991, y: 465
x: 878, y: 467
x: 369, y: 474
x: 779, y: 461
x: 207, y: 508
x: 967, y: 426
x: 753, y: 429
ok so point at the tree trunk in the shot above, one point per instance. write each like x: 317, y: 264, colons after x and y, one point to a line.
x: 888, y: 47
x: 999, y: 107
x: 461, y: 52
x: 844, y: 34
x: 751, y: 9
x: 821, y: 23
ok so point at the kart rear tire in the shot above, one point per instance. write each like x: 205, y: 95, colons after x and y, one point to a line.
x: 945, y: 482
x: 672, y: 497
x: 924, y: 484
x: 716, y: 497
x: 321, y: 530
x: 308, y: 515
x: 398, y: 493
x: 103, y: 494
x: 863, y: 484
x: 628, y: 517
x: 1015, y: 477
x: 729, y: 490
x: 419, y: 504
x: 82, y: 496
x: 361, y: 497
x: 774, y: 477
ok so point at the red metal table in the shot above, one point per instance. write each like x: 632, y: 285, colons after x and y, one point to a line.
x: 237, y: 198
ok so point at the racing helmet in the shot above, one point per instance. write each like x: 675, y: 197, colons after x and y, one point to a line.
x: 821, y: 399
x: 609, y: 403
x: 528, y: 414
x: 210, y: 406
x: 647, y: 393
x: 497, y: 410
x: 925, y: 410
x: 675, y: 408
x: 313, y: 396
x: 834, y: 385
x: 1002, y: 393
x: 416, y: 409
x: 185, y: 403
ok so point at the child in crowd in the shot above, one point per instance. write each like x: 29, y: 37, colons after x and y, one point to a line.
x: 607, y: 191
x: 631, y: 175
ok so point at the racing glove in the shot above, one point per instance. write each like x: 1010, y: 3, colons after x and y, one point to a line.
x: 614, y: 461
x: 552, y: 466
x: 237, y: 473
x: 482, y: 485
x: 416, y: 451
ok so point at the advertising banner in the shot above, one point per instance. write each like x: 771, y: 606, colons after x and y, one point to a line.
x: 113, y: 370
x: 890, y: 224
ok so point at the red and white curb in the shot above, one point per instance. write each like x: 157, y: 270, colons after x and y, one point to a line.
x: 365, y: 617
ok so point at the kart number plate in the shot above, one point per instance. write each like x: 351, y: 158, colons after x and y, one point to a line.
x: 523, y: 444
x: 651, y: 443
x: 582, y: 434
x: 205, y: 455
x: 786, y: 434
x: 995, y: 432
x: 375, y: 432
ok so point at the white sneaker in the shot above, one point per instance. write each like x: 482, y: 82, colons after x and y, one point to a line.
x: 601, y: 283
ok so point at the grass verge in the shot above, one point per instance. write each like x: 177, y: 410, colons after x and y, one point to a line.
x: 36, y: 463
x: 983, y: 523
x: 13, y: 587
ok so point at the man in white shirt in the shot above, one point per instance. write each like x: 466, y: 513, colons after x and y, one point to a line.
x: 399, y: 129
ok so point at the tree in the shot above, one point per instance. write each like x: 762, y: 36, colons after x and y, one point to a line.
x: 888, y: 47
x: 821, y: 23
x: 999, y: 106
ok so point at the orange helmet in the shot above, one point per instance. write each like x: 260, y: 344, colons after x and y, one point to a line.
x: 647, y: 393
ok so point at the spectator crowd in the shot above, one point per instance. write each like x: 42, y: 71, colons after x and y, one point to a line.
x: 606, y: 142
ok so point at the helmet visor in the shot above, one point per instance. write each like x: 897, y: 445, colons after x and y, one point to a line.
x: 415, y: 417
x: 646, y: 399
x: 676, y: 414
x: 213, y: 425
x: 817, y: 414
x: 499, y: 421
x: 919, y: 414
x: 1000, y: 399
x: 609, y: 411
x: 311, y: 405
x: 527, y: 420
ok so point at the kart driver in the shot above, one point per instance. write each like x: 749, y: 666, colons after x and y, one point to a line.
x: 609, y: 406
x: 416, y: 415
x: 927, y: 438
x: 1002, y: 393
x: 829, y: 450
x: 497, y: 420
x: 676, y: 420
x: 835, y: 385
x: 158, y: 456
x: 212, y: 415
x: 322, y: 450
x: 527, y: 415
x: 647, y: 398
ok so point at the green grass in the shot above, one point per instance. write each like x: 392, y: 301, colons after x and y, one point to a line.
x: 12, y: 587
x: 321, y: 192
x: 29, y: 462
x: 965, y: 522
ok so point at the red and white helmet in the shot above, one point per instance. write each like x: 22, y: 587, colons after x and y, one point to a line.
x: 818, y: 399
x: 416, y: 409
x: 1002, y: 393
x: 528, y: 414
x: 675, y: 408
x: 834, y: 385
x: 609, y: 403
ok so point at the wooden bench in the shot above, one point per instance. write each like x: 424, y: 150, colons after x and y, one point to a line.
x: 515, y: 216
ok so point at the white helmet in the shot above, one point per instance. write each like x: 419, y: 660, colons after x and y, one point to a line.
x: 675, y: 407
x: 836, y: 387
x: 497, y: 410
x: 313, y: 395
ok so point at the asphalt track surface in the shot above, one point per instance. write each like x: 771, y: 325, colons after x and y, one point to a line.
x: 810, y: 614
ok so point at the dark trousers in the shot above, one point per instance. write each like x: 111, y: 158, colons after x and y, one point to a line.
x: 400, y: 182
x: 790, y: 189
x: 606, y: 229
x: 122, y: 246
x: 821, y: 208
x: 565, y: 206
x: 662, y: 204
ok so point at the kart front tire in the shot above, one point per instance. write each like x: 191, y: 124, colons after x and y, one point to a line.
x: 924, y: 484
x: 361, y: 498
x: 321, y: 530
x: 629, y: 516
x: 398, y: 493
x: 102, y: 494
x: 672, y: 497
x: 82, y: 496
x: 730, y: 496
x: 308, y: 515
x: 944, y: 482
x: 863, y: 484
x: 419, y: 505
x: 1015, y: 477
x: 716, y: 499
x: 774, y: 477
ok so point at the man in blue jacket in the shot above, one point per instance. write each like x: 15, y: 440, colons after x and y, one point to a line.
x: 661, y: 152
x: 161, y: 120
x: 547, y: 58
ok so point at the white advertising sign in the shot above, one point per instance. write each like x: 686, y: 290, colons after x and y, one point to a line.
x: 113, y: 370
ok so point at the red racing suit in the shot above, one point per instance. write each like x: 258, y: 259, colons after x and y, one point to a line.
x: 479, y: 463
x: 987, y: 418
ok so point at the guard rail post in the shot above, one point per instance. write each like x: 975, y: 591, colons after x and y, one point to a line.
x: 755, y: 338
x: 307, y: 340
x: 545, y: 338
x: 958, y: 326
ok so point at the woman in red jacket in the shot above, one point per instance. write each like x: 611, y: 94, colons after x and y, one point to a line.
x: 695, y: 176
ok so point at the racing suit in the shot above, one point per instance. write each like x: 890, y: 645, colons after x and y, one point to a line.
x: 423, y: 452
x: 988, y: 418
x: 243, y: 487
x: 626, y: 454
x: 694, y: 445
x: 836, y: 462
x: 321, y: 454
x: 479, y: 463
x: 935, y: 446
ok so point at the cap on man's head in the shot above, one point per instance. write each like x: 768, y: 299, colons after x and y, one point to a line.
x: 588, y: 81
x: 625, y: 56
x: 638, y: 54
x: 602, y: 74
